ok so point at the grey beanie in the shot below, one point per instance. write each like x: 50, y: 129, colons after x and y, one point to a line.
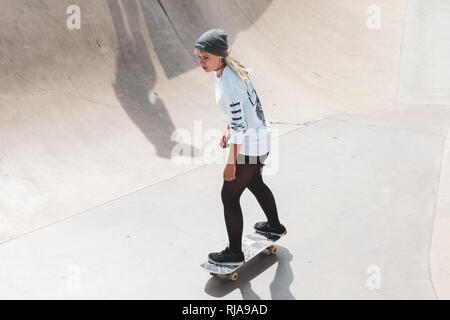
x: 213, y: 41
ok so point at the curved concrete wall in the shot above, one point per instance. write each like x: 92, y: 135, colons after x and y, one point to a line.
x: 87, y: 115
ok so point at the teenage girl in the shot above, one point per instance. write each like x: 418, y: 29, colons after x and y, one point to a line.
x: 249, y: 135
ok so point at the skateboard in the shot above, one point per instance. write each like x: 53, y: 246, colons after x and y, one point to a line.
x: 252, y: 245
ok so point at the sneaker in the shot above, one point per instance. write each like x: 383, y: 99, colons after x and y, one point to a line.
x: 263, y: 227
x: 226, y: 258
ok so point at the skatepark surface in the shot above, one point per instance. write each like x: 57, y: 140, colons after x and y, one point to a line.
x: 96, y: 201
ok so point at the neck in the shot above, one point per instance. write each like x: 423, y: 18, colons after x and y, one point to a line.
x: 220, y: 71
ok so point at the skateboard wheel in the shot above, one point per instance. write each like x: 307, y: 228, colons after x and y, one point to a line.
x: 272, y: 250
x: 213, y: 274
x: 233, y: 276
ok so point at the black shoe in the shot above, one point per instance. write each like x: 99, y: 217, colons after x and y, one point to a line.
x: 263, y: 227
x: 226, y: 258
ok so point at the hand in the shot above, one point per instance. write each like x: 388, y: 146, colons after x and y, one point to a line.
x: 229, y: 173
x: 225, y: 138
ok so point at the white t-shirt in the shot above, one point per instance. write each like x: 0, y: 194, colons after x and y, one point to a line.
x: 240, y: 102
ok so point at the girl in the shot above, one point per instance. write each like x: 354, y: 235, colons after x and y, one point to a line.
x: 250, y: 137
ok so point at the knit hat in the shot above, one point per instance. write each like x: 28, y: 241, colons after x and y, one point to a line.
x: 213, y: 41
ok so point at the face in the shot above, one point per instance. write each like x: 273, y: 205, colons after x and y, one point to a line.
x: 209, y: 62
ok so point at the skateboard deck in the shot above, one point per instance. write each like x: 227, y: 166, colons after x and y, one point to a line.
x: 252, y: 245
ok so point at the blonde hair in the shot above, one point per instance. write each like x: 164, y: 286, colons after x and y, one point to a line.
x: 241, y: 71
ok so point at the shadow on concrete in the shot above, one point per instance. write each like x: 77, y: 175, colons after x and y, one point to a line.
x: 173, y: 28
x: 136, y: 76
x: 279, y: 288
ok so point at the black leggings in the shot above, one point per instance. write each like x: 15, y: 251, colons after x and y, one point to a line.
x: 248, y: 175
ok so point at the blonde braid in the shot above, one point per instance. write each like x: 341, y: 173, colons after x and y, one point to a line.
x: 237, y: 67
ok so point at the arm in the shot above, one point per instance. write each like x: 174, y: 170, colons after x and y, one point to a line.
x: 232, y: 155
x: 229, y: 173
x: 234, y: 95
x: 237, y: 123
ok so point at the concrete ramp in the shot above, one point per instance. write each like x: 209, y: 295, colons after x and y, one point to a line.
x: 87, y: 115
x: 108, y: 127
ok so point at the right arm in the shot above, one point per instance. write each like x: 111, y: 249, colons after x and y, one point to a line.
x: 234, y: 97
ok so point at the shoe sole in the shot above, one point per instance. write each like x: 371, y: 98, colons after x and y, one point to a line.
x: 227, y: 264
x: 271, y: 233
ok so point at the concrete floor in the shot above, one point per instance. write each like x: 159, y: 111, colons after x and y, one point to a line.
x: 93, y: 204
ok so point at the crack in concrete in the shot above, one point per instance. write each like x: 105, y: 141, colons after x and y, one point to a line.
x: 389, y: 127
x: 170, y: 21
x: 290, y: 123
x: 436, y: 215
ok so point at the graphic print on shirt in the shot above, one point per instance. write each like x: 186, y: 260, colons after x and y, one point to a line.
x: 254, y: 100
x: 237, y: 124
